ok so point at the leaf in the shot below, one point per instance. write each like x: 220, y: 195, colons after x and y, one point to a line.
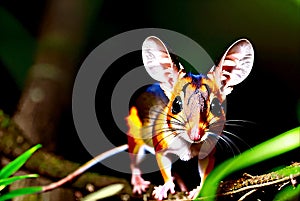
x: 16, y: 164
x: 21, y: 191
x: 288, y: 193
x: 8, y: 181
x: 104, y: 192
x: 17, y: 47
x: 5, y: 122
x: 271, y: 148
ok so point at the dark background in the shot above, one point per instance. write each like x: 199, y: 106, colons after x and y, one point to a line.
x: 269, y: 97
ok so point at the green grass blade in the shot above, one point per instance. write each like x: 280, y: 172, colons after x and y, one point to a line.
x: 104, y: 192
x: 8, y: 181
x: 21, y: 191
x: 278, y: 145
x: 288, y: 193
x: 16, y: 164
x: 17, y: 47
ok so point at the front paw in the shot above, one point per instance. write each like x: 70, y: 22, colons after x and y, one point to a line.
x: 193, y: 194
x: 139, y: 184
x: 161, y: 191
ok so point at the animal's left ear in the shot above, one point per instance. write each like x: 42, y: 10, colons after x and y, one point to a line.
x: 234, y: 66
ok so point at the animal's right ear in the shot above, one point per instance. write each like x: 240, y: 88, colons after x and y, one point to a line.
x: 159, y: 64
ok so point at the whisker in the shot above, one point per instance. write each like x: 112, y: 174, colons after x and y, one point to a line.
x: 167, y: 115
x: 240, y: 120
x: 182, y: 119
x: 227, y: 142
x: 238, y: 123
x: 215, y: 120
x: 217, y: 123
x: 237, y: 137
x: 170, y: 135
x: 148, y: 135
x: 230, y: 144
x: 159, y: 131
x: 229, y: 124
x: 171, y: 121
x: 217, y: 126
x: 163, y: 113
x: 163, y: 123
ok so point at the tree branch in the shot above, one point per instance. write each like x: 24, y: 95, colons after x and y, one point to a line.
x: 247, y: 186
x: 13, y: 143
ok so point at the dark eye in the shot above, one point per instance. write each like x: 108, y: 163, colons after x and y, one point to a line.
x: 177, y: 105
x: 215, y: 107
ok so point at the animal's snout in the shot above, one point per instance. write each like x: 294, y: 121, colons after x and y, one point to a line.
x: 195, y: 134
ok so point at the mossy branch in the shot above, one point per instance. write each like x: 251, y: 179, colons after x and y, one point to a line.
x: 13, y: 143
x: 248, y: 184
x: 249, y: 187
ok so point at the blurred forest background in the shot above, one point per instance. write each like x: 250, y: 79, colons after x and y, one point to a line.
x: 43, y: 43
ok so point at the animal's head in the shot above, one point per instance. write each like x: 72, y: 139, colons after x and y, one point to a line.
x: 195, y: 101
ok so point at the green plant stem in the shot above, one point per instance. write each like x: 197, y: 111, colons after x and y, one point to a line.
x: 273, y: 147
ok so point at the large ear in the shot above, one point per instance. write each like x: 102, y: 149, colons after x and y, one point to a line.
x: 158, y: 63
x: 234, y: 66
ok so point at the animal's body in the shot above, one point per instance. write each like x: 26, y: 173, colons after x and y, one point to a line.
x: 182, y: 113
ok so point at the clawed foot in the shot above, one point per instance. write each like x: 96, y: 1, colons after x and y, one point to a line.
x: 193, y: 194
x: 161, y: 191
x: 139, y: 184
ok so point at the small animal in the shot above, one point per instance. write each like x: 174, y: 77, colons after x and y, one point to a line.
x: 181, y: 114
